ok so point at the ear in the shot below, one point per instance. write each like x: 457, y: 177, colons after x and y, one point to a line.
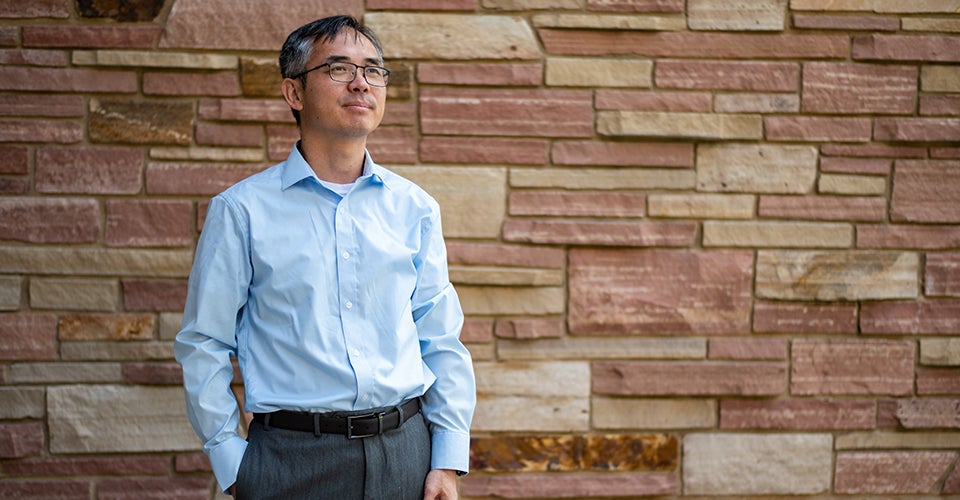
x: 292, y: 93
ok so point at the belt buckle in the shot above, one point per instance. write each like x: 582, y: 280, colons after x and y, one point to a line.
x: 351, y: 418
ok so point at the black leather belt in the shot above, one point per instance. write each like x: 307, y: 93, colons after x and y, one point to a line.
x: 351, y: 426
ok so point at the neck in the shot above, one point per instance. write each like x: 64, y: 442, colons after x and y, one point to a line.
x: 340, y: 162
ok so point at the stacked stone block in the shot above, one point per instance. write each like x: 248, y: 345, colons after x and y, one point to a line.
x: 706, y: 249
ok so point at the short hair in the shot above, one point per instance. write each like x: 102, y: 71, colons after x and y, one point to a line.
x: 299, y: 45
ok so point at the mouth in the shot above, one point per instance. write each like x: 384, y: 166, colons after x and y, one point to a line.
x: 357, y: 105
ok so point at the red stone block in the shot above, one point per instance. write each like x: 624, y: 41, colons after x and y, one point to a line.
x: 748, y: 349
x: 45, y: 490
x: 89, y: 170
x: 477, y: 330
x: 606, y: 233
x: 280, y: 140
x: 907, y: 48
x: 644, y: 100
x: 89, y: 466
x: 219, y: 134
x: 693, y: 44
x: 497, y: 254
x: 942, y: 275
x: 226, y: 84
x: 13, y: 159
x: 484, y: 150
x: 797, y: 414
x: 714, y: 378
x: 246, y: 110
x: 35, y: 8
x: 636, y: 5
x: 819, y: 318
x: 393, y: 145
x: 153, y: 373
x: 823, y: 208
x: 816, y: 128
x: 623, y: 154
x: 10, y: 35
x: 852, y: 367
x: 938, y: 381
x: 21, y: 440
x: 919, y: 237
x: 937, y: 104
x: 546, y: 485
x: 926, y: 191
x: 635, y: 291
x: 536, y: 113
x: 149, y: 223
x: 577, y: 203
x: 843, y: 165
x: 952, y: 484
x: 728, y: 75
x: 49, y: 220
x: 917, y: 129
x: 181, y: 488
x: 846, y: 22
x: 530, y: 328
x: 41, y: 131
x: 517, y: 74
x: 14, y: 186
x: 154, y: 294
x: 46, y: 105
x: 75, y: 37
x: 891, y: 472
x: 67, y: 80
x: 926, y: 413
x: 945, y: 153
x: 28, y: 336
x: 858, y: 88
x: 192, y: 462
x: 188, y: 178
x: 421, y: 4
x: 873, y: 150
x: 31, y: 57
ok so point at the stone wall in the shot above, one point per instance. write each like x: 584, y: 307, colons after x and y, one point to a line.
x: 706, y: 248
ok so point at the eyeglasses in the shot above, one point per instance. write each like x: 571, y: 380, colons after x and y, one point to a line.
x: 346, y: 72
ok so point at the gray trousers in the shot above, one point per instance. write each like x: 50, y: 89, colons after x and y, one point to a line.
x: 290, y: 465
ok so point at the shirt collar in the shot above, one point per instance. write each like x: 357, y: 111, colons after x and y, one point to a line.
x: 296, y: 169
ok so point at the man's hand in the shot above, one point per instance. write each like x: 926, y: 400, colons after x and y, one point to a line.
x: 441, y: 484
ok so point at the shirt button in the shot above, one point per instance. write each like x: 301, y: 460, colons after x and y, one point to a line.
x: 356, y: 352
x: 346, y: 255
x: 349, y: 304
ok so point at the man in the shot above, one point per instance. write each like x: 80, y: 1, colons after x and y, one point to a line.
x: 326, y: 276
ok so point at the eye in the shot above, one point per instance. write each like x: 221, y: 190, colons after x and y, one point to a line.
x: 375, y: 71
x: 339, y: 69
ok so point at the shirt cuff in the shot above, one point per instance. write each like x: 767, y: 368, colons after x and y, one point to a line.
x: 225, y: 460
x: 451, y: 450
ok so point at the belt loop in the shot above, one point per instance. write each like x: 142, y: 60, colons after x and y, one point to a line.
x: 316, y: 425
x: 266, y: 421
x: 400, y: 415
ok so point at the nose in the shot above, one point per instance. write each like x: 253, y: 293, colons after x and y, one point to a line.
x: 359, y: 83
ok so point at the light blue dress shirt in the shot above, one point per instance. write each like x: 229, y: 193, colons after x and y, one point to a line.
x: 329, y: 303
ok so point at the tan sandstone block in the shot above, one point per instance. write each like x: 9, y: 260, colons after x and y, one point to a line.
x: 10, y: 293
x: 936, y: 78
x: 548, y: 378
x: 200, y: 153
x: 742, y: 15
x: 892, y: 440
x: 115, y: 418
x: 548, y: 396
x: 799, y: 275
x: 74, y: 294
x: 701, y: 206
x: 878, y: 6
x: 636, y: 22
x: 477, y: 212
x: 488, y: 300
x: 592, y: 72
x: 531, y: 414
x: 602, y: 348
x: 532, y: 4
x: 154, y: 59
x: 62, y: 372
x: 635, y: 413
x: 940, y: 352
x: 453, y: 36
x: 752, y: 464
x: 950, y: 25
x: 95, y: 261
x: 498, y: 276
x: 683, y: 125
x: 760, y: 168
x: 603, y: 178
x: 851, y: 184
x: 777, y: 234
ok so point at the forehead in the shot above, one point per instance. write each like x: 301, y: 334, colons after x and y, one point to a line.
x: 346, y: 45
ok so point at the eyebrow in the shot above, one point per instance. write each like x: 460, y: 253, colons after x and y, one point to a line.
x: 369, y: 60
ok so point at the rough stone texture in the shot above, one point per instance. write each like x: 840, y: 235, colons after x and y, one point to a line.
x: 852, y: 367
x: 22, y: 402
x: 926, y: 413
x: 796, y: 275
x: 479, y: 300
x: 453, y: 36
x: 732, y: 75
x: 858, y: 88
x: 917, y: 129
x: 99, y: 262
x: 881, y: 6
x: 11, y: 290
x: 642, y: 293
x: 823, y: 207
x: 561, y: 453
x: 806, y: 414
x: 749, y: 15
x: 885, y: 473
x: 539, y: 113
x: 640, y: 378
x: 643, y: 100
x: 604, y: 233
x: 746, y: 464
x: 756, y: 168
x: 89, y: 170
x: 588, y: 72
x: 74, y: 294
x: 628, y: 485
x: 21, y: 440
x: 920, y: 237
x: 926, y: 191
x: 476, y: 213
x: 49, y: 220
x: 652, y: 22
x: 776, y: 234
x: 937, y: 78
x: 649, y: 413
x: 757, y: 103
x: 140, y: 122
x: 576, y: 204
x: 602, y: 348
x: 622, y: 154
x: 816, y: 129
x: 682, y: 125
x: 513, y: 74
x: 906, y: 48
x: 529, y: 328
x: 64, y: 373
x: 851, y: 185
x: 817, y: 318
x: 112, y: 418
x: 105, y: 327
x: 748, y: 349
x: 908, y: 317
x: 940, y: 352
x: 595, y: 178
x: 701, y: 206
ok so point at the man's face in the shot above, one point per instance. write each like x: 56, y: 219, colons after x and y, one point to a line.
x: 332, y: 108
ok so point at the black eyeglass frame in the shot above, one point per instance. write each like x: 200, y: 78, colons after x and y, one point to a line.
x: 357, y: 67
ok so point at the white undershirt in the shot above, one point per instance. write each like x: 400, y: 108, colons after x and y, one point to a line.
x: 341, y: 189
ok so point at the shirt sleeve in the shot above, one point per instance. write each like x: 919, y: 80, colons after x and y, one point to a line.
x: 216, y: 294
x: 449, y: 403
